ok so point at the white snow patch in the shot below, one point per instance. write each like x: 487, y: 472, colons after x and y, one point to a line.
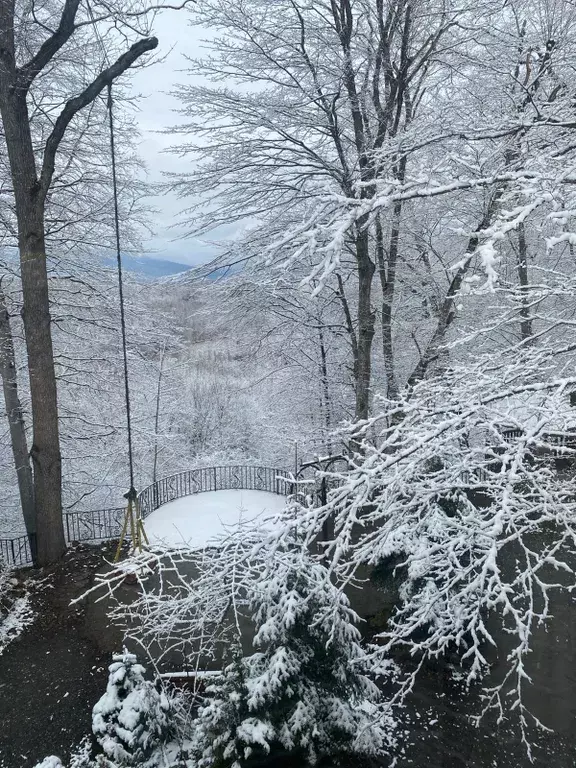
x: 194, y: 521
x: 50, y: 762
x: 15, y: 610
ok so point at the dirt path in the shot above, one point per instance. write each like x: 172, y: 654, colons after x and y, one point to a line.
x: 51, y: 676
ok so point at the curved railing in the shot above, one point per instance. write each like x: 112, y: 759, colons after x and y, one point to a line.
x: 235, y: 477
x: 106, y: 524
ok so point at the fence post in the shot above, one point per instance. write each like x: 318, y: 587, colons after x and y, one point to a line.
x: 33, y: 544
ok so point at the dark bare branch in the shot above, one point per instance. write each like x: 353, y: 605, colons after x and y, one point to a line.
x: 73, y: 106
x: 51, y: 46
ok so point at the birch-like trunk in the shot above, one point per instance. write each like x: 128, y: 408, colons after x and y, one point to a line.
x: 524, y: 281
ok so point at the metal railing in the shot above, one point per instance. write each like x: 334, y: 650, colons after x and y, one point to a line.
x: 234, y: 477
x: 98, y: 525
x: 106, y: 524
x: 16, y: 551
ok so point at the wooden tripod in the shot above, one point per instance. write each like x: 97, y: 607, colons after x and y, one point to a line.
x: 132, y: 523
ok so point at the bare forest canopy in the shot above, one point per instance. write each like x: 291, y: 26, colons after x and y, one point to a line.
x: 397, y: 289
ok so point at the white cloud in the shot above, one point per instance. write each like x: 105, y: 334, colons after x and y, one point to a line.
x: 157, y: 112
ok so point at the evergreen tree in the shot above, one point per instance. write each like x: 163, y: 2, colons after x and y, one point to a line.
x: 304, y: 690
x: 132, y: 719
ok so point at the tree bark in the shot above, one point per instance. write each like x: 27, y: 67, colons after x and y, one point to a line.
x: 366, y: 269
x: 15, y: 415
x: 387, y: 272
x: 45, y: 453
x: 344, y: 25
x: 523, y: 279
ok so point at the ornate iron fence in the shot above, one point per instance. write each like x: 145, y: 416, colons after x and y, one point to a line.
x: 16, y: 552
x: 98, y: 525
x: 105, y: 524
x: 222, y: 478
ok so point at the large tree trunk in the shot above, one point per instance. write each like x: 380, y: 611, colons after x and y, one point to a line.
x: 365, y: 334
x: 387, y: 272
x: 16, y: 423
x: 524, y: 280
x: 29, y: 203
x: 45, y: 452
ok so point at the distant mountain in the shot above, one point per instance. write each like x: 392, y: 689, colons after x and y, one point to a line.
x: 149, y: 267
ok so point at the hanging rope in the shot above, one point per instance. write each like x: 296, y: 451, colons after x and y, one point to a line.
x: 132, y: 490
x: 133, y: 519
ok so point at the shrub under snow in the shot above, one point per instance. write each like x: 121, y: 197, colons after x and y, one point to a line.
x: 132, y: 719
x: 304, y: 691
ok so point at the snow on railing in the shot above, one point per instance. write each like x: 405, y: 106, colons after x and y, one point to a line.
x: 106, y: 524
x: 224, y: 478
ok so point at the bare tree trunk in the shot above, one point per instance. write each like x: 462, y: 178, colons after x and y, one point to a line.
x: 15, y: 416
x: 29, y: 201
x: 526, y: 331
x: 365, y: 334
x: 326, y: 409
x: 157, y: 414
x: 387, y: 272
x: 45, y: 453
x: 344, y: 24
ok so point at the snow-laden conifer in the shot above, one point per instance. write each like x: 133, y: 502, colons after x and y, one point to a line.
x: 304, y: 690
x: 132, y: 719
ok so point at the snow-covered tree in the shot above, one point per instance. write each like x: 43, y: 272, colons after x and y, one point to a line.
x: 31, y: 46
x: 464, y: 494
x: 315, y: 110
x: 132, y: 719
x: 305, y: 690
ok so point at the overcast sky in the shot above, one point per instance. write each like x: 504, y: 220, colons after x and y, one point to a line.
x: 156, y: 113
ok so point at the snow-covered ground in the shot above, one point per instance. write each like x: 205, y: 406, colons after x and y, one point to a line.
x: 193, y: 521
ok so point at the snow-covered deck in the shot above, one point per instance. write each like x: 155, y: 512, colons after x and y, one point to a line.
x: 196, y: 520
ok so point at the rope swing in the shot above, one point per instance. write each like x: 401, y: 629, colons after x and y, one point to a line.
x: 132, y: 519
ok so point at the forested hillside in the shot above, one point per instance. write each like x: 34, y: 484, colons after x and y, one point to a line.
x: 381, y: 344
